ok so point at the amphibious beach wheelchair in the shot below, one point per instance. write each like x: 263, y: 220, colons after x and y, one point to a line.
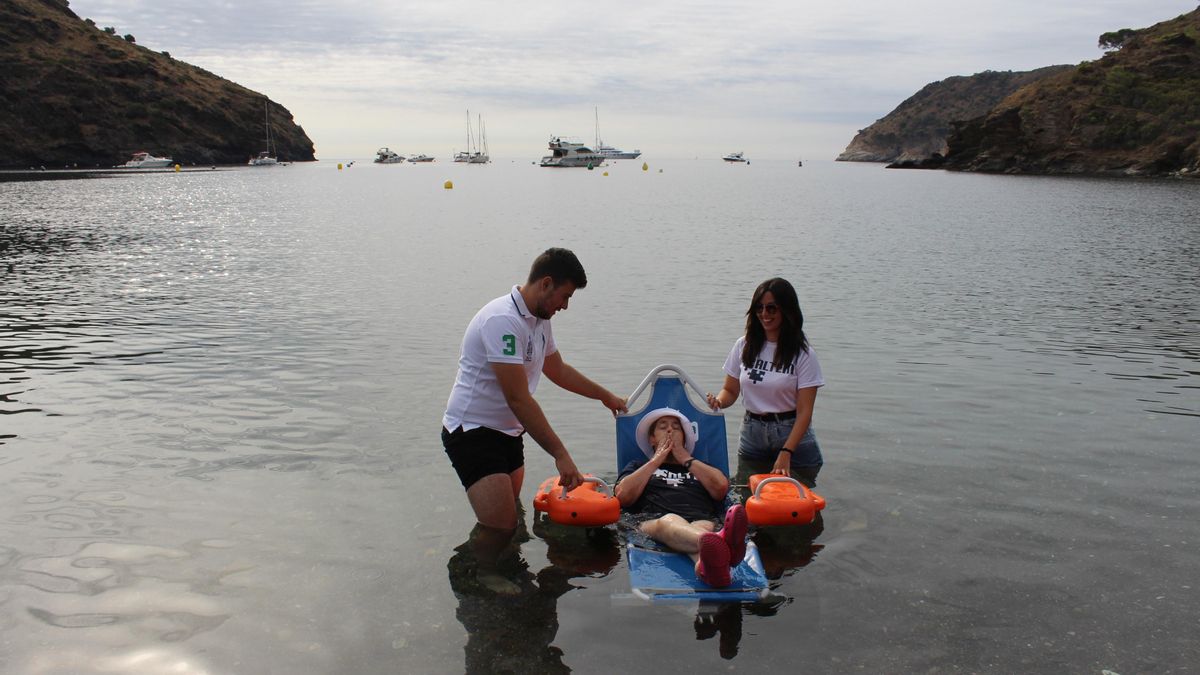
x: 661, y: 574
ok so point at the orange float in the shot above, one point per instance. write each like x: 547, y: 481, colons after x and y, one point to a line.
x: 588, y: 505
x: 779, y: 500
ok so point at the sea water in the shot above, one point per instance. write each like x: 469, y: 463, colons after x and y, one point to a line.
x: 222, y: 392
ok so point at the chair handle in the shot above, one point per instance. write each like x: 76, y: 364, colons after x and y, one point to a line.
x: 589, y: 479
x: 653, y: 375
x: 782, y: 479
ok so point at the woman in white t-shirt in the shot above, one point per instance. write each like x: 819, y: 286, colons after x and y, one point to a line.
x: 776, y: 370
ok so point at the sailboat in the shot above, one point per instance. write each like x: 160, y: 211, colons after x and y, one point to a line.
x: 608, y: 151
x: 477, y: 147
x: 264, y: 158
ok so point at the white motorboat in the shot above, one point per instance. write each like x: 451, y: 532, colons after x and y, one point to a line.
x: 265, y: 158
x: 734, y: 157
x: 386, y: 156
x: 571, y: 153
x: 608, y: 151
x: 420, y: 158
x: 144, y: 160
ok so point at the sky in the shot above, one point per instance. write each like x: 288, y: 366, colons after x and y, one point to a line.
x: 776, y: 79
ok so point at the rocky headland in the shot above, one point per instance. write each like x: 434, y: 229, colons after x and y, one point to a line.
x: 919, y: 126
x: 75, y: 94
x: 1133, y: 112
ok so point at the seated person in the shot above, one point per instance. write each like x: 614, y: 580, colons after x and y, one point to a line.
x: 684, y: 497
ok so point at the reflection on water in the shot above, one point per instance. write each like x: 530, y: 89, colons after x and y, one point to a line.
x: 786, y: 549
x: 511, y: 626
x: 219, y: 394
x: 510, y: 629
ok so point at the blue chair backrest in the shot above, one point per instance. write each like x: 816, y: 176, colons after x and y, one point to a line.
x: 669, y: 390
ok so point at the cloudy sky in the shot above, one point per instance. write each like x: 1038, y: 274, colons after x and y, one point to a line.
x: 778, y: 79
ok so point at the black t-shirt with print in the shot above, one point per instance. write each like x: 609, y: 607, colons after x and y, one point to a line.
x: 671, y: 489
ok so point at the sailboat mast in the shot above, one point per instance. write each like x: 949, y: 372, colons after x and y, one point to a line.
x: 597, y: 109
x: 483, y: 133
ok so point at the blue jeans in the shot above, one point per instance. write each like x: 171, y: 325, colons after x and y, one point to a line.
x: 760, y: 443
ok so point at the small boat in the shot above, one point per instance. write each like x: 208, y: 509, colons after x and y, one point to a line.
x: 265, y: 157
x: 570, y: 153
x: 734, y: 157
x: 420, y: 158
x: 386, y: 156
x: 477, y: 145
x: 144, y: 160
x: 608, y: 151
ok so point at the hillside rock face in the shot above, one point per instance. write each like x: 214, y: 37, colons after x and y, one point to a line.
x: 71, y: 93
x: 1135, y: 111
x: 918, y: 127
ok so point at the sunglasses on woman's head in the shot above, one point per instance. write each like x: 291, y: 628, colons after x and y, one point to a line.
x: 770, y: 308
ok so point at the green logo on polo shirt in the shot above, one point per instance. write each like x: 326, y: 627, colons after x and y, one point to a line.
x: 510, y: 345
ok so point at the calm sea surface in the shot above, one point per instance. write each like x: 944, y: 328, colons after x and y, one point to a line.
x: 221, y: 392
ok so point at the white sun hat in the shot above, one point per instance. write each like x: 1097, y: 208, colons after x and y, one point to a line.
x: 643, y: 429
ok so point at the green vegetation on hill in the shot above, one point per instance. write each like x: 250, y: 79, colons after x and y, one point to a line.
x: 1136, y: 111
x: 75, y: 94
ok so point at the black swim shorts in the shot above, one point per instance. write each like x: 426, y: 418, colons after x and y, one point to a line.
x: 482, y: 452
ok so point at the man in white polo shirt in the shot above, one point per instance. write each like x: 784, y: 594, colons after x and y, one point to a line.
x: 507, y: 347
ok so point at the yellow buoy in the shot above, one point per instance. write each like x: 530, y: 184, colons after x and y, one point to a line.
x: 645, y: 166
x: 339, y: 166
x: 177, y: 167
x: 449, y: 185
x: 605, y: 173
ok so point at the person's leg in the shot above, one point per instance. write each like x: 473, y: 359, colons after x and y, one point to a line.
x: 495, y: 508
x: 494, y: 502
x: 676, y: 533
x: 491, y: 468
x: 807, y: 460
x: 756, y: 454
x: 707, y: 549
x: 517, y: 477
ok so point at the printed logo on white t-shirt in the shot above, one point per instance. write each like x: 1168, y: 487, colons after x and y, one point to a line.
x: 761, y: 367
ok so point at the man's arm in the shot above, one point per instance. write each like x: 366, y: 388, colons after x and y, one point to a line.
x: 561, y: 373
x: 511, y: 377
